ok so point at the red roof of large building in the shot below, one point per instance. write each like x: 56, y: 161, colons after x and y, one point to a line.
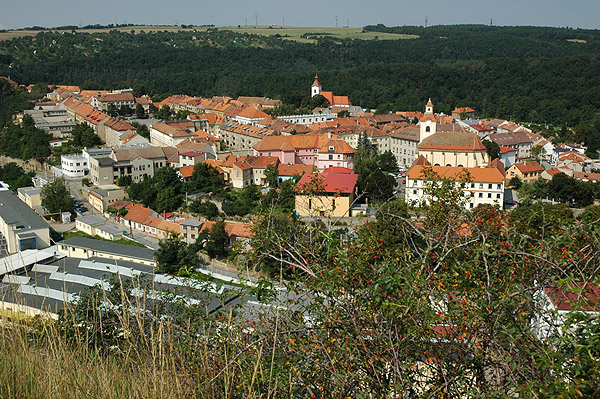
x: 453, y: 141
x: 336, y: 100
x: 331, y: 182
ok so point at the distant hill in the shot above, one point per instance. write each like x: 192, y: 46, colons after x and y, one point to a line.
x: 527, y: 73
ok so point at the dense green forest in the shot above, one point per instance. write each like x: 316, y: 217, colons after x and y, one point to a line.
x: 523, y: 73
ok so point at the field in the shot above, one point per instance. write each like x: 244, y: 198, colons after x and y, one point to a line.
x: 288, y: 32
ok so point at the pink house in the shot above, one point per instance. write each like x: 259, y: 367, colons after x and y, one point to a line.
x: 336, y: 152
x: 295, y: 149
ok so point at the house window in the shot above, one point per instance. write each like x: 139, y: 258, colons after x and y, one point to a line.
x: 415, y: 192
x: 480, y: 195
x: 309, y: 203
x: 472, y: 185
x: 499, y: 186
x: 471, y: 205
x: 489, y: 195
x: 490, y: 185
x: 498, y: 196
x: 480, y: 185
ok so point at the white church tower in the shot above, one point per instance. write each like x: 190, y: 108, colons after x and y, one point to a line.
x: 428, y: 124
x: 316, y: 87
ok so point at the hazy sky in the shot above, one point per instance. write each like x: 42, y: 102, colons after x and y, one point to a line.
x: 50, y: 13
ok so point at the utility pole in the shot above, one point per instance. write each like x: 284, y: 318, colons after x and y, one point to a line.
x: 426, y: 21
x: 255, y: 20
x: 336, y: 21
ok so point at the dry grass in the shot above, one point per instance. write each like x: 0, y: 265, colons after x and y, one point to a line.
x: 40, y: 358
x: 43, y: 365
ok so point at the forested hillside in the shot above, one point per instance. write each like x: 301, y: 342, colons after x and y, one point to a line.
x: 527, y: 73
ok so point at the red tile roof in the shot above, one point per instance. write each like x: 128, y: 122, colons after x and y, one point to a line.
x: 233, y: 229
x: 463, y: 110
x: 453, y: 142
x: 331, y: 182
x: 187, y: 171
x: 578, y: 297
x: 293, y: 170
x: 528, y: 167
x: 505, y: 150
x: 252, y: 113
x: 337, y: 146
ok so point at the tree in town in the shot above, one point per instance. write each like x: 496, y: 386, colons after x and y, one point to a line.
x: 215, y: 240
x: 56, y: 198
x: 205, y: 178
x: 169, y: 187
x: 372, y: 182
x: 140, y: 113
x: 492, y: 148
x: 271, y: 176
x: 173, y: 254
x: 537, y: 151
x: 83, y: 135
x: 208, y: 209
x: 387, y: 162
x: 515, y: 182
x: 13, y: 175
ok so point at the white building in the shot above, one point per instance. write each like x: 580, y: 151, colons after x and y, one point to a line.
x: 480, y: 185
x: 74, y: 166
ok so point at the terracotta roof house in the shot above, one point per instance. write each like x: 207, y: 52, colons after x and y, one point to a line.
x: 287, y: 172
x: 335, y: 152
x: 528, y: 172
x: 145, y: 219
x: 326, y: 194
x: 296, y: 149
x: 336, y: 101
x: 251, y: 170
x: 463, y: 113
x: 548, y: 174
x: 236, y: 231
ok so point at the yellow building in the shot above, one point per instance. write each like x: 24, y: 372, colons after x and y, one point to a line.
x: 327, y: 194
x: 102, y: 198
x: 528, y: 172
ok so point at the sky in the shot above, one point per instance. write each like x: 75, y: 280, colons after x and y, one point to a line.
x: 318, y: 13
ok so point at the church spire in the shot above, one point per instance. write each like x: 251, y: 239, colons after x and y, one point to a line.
x: 316, y: 86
